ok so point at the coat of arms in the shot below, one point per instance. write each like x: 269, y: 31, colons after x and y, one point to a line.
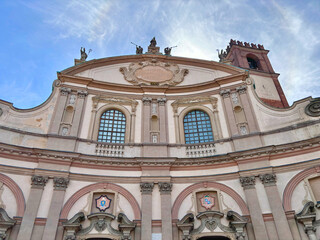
x: 103, y: 203
x: 207, y: 202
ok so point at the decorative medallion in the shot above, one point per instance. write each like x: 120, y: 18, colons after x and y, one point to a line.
x: 207, y: 202
x: 103, y: 203
x: 153, y: 72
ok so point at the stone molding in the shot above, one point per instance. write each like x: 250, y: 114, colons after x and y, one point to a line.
x: 161, y: 101
x: 84, y: 160
x: 293, y: 183
x: 146, y: 100
x: 211, y: 220
x: 97, y: 186
x: 60, y: 183
x: 82, y: 94
x: 183, y: 102
x: 38, y: 181
x: 146, y: 187
x: 219, y: 186
x: 165, y: 187
x: 242, y: 89
x: 17, y: 192
x: 73, y: 225
x: 98, y: 222
x: 5, y: 223
x: 268, y: 179
x: 225, y: 93
x: 65, y: 91
x: 114, y: 100
x: 238, y: 223
x: 153, y: 72
x: 248, y: 182
x: 313, y: 108
x: 308, y: 218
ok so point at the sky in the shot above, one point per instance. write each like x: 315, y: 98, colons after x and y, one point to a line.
x: 41, y: 37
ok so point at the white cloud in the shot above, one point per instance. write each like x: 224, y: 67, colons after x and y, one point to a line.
x: 88, y: 19
x: 198, y: 28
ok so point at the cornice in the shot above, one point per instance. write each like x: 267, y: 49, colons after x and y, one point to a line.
x: 172, y: 179
x: 96, y: 84
x: 147, y: 57
x: 133, y: 164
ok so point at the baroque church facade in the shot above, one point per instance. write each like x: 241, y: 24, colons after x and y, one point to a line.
x: 152, y: 146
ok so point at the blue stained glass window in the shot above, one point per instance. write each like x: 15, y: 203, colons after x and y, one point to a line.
x: 113, y: 125
x: 198, y: 123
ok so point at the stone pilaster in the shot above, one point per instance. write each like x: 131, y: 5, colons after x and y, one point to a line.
x: 57, y: 118
x: 248, y: 184
x: 146, y: 210
x: 280, y: 219
x: 60, y: 185
x: 37, y: 185
x: 78, y: 112
x: 162, y: 118
x: 146, y: 119
x: 252, y: 123
x: 229, y: 111
x: 165, y: 191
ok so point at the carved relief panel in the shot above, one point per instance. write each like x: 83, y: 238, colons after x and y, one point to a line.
x: 207, y: 201
x: 153, y: 72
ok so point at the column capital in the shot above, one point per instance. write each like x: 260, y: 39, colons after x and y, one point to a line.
x: 162, y: 101
x: 225, y: 93
x: 82, y: 94
x: 65, y: 91
x: 268, y: 179
x: 248, y: 182
x: 242, y: 89
x: 146, y: 100
x: 38, y: 181
x: 165, y: 187
x: 60, y: 183
x: 146, y: 187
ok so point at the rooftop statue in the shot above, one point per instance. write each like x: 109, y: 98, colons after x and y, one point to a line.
x: 83, y: 54
x: 139, y: 49
x: 153, y: 42
x: 222, y: 55
x: 167, y: 50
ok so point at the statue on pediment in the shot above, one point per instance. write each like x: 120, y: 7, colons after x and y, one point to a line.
x: 83, y: 54
x: 153, y: 42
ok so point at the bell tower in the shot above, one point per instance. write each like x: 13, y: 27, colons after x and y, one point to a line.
x: 254, y: 58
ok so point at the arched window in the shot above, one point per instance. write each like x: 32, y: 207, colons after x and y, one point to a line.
x: 253, y: 62
x: 112, y: 128
x: 197, y: 127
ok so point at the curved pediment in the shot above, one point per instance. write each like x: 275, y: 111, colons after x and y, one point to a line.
x: 150, y: 70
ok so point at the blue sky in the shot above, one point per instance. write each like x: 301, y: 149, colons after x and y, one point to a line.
x: 41, y: 37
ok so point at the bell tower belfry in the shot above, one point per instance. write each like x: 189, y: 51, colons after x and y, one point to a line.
x: 254, y: 58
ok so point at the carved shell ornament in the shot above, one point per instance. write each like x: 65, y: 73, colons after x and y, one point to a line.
x: 153, y: 72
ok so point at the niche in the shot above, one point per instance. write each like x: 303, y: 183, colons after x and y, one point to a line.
x: 239, y: 114
x: 154, y: 124
x: 68, y: 114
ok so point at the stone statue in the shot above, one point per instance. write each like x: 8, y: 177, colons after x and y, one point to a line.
x: 222, y: 55
x: 139, y: 49
x: 83, y: 54
x: 153, y: 42
x: 167, y: 50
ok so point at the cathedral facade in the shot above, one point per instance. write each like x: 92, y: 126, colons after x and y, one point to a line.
x: 152, y: 146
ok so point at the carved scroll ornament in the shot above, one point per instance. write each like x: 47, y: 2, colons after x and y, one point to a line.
x: 153, y: 72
